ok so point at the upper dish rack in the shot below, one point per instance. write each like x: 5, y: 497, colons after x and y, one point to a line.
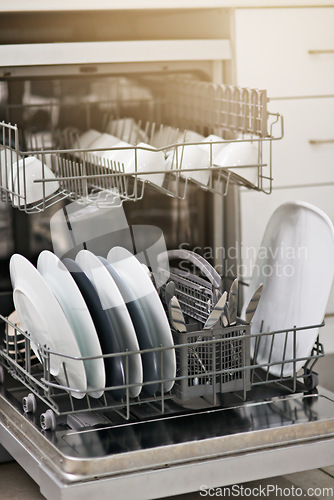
x: 183, y: 111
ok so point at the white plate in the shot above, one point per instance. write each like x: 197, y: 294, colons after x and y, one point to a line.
x: 42, y: 316
x: 137, y: 279
x: 296, y: 266
x: 68, y: 295
x: 112, y: 301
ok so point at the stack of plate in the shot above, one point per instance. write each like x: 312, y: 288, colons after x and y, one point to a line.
x: 92, y: 318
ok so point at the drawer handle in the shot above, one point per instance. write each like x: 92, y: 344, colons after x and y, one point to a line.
x: 321, y: 141
x: 321, y: 51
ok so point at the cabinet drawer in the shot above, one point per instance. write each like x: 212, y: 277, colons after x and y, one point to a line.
x: 305, y: 155
x: 273, y: 50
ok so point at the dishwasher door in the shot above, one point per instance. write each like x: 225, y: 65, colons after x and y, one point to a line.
x: 186, y: 449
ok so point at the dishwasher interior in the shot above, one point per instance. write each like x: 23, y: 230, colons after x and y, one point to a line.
x: 222, y: 406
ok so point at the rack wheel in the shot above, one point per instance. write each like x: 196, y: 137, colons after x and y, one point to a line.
x: 2, y: 375
x: 48, y: 420
x: 29, y: 403
x: 311, y: 380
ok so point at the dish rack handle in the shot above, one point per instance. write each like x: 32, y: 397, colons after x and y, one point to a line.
x: 204, y: 266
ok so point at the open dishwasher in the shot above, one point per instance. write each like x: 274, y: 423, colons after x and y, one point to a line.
x: 222, y: 413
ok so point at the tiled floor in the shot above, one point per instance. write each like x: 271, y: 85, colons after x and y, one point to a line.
x: 15, y: 484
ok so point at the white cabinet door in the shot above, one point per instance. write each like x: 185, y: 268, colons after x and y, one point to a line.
x: 297, y: 160
x: 272, y: 50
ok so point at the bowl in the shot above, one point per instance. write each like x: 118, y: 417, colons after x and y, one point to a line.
x: 25, y: 189
x: 189, y: 136
x: 148, y: 160
x: 118, y: 154
x: 87, y: 138
x: 103, y: 141
x: 187, y: 159
x: 240, y: 154
x: 215, y: 148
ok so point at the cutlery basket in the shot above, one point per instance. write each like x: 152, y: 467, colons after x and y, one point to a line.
x: 212, y: 361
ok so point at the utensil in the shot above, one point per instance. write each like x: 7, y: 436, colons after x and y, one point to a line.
x: 253, y: 303
x: 169, y: 291
x: 233, y: 303
x: 204, y: 266
x: 216, y: 313
x: 176, y: 315
x: 224, y: 316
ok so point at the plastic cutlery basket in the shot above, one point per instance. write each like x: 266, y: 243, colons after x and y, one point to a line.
x: 212, y: 361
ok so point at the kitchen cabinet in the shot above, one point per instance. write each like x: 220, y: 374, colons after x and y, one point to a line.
x: 290, y: 51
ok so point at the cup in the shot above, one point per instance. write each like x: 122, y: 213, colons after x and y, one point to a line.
x: 103, y: 141
x: 26, y: 171
x: 240, y: 154
x: 8, y: 158
x: 188, y: 158
x: 85, y: 140
x: 118, y: 154
x: 190, y: 136
x: 214, y: 148
x: 148, y: 160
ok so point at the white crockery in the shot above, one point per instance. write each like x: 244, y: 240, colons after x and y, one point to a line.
x: 103, y: 141
x: 189, y: 136
x: 25, y: 189
x: 69, y: 296
x: 42, y: 316
x: 215, y: 148
x: 8, y: 159
x: 188, y: 159
x: 131, y: 270
x: 121, y: 154
x: 296, y: 266
x: 238, y: 154
x: 148, y: 160
x: 86, y: 139
x: 113, y: 302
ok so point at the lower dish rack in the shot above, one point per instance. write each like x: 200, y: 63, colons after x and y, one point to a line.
x: 208, y: 365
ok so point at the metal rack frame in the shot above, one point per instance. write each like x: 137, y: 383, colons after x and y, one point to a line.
x: 181, y: 103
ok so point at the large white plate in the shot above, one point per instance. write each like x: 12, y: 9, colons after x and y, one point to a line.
x: 296, y: 266
x: 42, y: 316
x: 137, y: 279
x: 150, y: 358
x: 68, y: 295
x: 112, y: 301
